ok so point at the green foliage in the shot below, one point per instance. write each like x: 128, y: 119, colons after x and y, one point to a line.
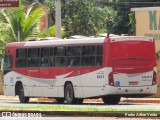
x: 12, y: 20
x: 112, y: 21
x: 79, y: 17
x: 86, y: 17
x: 5, y: 36
x: 132, y: 23
x: 51, y: 32
x: 51, y: 8
x: 92, y: 109
x: 42, y: 33
x: 157, y: 55
x: 119, y: 19
x: 19, y: 19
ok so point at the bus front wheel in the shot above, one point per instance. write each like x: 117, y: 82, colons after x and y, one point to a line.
x: 22, y: 98
x: 111, y: 100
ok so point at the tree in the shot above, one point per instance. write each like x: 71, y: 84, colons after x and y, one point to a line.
x: 51, y: 6
x: 51, y: 32
x: 113, y: 21
x: 122, y: 7
x: 79, y: 17
x: 20, y: 20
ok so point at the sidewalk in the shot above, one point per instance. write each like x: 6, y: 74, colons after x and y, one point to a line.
x: 134, y: 100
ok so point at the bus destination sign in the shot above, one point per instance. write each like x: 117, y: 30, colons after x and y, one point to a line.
x: 9, y: 3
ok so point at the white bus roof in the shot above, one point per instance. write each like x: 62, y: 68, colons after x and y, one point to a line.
x: 59, y: 42
x: 65, y: 41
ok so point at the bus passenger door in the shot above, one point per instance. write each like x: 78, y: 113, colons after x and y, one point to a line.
x: 8, y: 75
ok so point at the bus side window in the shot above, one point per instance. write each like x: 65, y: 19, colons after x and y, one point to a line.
x: 47, y: 57
x: 74, y: 53
x: 88, y: 55
x: 21, y: 58
x: 33, y: 57
x: 60, y: 56
x: 99, y: 52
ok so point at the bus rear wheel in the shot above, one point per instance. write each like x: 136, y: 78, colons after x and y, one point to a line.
x: 111, y: 100
x: 69, y: 94
x: 22, y: 98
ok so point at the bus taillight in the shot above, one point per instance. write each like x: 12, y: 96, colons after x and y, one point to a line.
x: 111, y: 80
x: 154, y: 78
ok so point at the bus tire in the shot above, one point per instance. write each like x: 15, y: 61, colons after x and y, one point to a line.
x: 111, y: 100
x: 22, y: 98
x: 69, y: 94
x: 60, y: 100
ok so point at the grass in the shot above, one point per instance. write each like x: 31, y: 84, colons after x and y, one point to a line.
x: 76, y: 109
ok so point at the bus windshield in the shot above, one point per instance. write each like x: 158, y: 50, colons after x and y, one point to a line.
x: 7, y: 64
x: 132, y: 53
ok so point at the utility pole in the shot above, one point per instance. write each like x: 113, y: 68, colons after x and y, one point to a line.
x: 19, y: 35
x: 58, y: 18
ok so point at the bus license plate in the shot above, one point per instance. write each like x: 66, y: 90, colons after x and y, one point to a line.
x: 133, y: 83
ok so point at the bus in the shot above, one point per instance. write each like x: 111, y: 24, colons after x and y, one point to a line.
x: 71, y: 70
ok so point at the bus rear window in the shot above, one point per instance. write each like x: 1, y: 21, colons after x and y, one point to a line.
x: 131, y: 53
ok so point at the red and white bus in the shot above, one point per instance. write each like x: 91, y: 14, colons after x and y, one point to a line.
x: 71, y: 70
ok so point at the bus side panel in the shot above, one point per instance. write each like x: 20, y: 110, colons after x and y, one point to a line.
x: 37, y: 86
x: 70, y: 76
x: 93, y: 83
x: 9, y: 88
x: 35, y: 82
x: 49, y: 90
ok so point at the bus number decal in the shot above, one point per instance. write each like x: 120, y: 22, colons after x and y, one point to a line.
x: 100, y: 76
